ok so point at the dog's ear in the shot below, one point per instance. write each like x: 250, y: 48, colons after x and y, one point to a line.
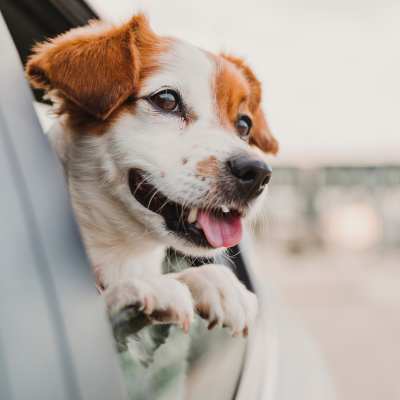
x: 261, y: 135
x: 97, y: 67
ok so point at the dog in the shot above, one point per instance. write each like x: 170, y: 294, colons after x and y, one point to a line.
x: 162, y: 146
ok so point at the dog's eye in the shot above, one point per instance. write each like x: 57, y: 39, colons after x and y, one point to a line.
x: 167, y: 100
x: 243, y: 126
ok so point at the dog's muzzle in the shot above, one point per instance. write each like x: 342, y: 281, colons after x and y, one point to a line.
x: 211, y: 223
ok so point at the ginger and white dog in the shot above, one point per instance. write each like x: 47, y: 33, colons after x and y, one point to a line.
x: 161, y: 145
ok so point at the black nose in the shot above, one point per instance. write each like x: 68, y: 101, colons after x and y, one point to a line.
x: 252, y: 174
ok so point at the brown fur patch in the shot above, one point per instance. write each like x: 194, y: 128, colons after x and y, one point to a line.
x: 232, y: 92
x: 209, y: 167
x: 238, y: 91
x: 94, y: 70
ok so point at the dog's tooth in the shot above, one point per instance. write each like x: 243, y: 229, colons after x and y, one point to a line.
x: 192, y: 217
x: 225, y: 209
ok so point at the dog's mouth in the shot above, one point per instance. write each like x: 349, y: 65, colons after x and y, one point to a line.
x: 214, y: 227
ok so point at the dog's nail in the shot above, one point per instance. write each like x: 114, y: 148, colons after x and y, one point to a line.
x: 144, y: 305
x: 246, y: 331
x: 186, y: 326
x: 148, y: 305
x: 212, y: 324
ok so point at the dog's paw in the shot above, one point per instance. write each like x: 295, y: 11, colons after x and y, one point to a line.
x: 162, y: 299
x: 220, y: 297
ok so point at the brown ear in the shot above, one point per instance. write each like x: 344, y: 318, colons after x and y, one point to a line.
x: 261, y: 135
x: 96, y: 67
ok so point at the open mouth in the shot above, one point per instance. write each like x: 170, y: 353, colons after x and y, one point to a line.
x: 214, y: 227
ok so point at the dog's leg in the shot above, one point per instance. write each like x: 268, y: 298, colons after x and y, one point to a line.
x: 161, y: 298
x: 220, y: 297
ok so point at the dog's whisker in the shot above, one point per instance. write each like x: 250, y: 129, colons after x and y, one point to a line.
x: 163, y: 205
x: 144, y: 180
x: 152, y: 197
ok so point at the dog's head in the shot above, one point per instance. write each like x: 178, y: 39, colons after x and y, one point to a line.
x: 177, y: 133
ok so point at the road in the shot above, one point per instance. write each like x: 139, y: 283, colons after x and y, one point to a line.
x: 350, y: 305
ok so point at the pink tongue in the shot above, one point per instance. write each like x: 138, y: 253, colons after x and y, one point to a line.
x: 221, y: 232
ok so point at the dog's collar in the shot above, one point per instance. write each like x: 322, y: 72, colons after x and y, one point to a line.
x: 97, y: 274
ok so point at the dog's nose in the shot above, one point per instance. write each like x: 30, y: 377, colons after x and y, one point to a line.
x: 252, y: 174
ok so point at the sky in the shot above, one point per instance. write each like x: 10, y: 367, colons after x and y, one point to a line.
x: 330, y: 68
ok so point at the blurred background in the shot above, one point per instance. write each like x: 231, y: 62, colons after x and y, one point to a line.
x: 330, y: 241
